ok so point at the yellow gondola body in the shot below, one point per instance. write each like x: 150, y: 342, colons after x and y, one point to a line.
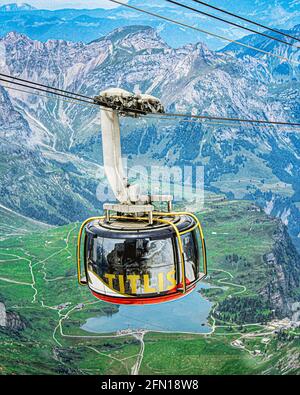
x: 137, y: 255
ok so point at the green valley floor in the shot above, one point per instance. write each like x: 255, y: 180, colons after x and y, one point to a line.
x: 42, y: 307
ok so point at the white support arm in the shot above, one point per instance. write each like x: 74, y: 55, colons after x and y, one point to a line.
x: 112, y: 154
x: 123, y: 102
x: 113, y: 167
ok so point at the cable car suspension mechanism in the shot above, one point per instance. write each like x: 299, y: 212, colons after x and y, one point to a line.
x: 133, y: 254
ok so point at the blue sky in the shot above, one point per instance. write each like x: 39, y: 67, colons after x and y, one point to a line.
x: 56, y: 4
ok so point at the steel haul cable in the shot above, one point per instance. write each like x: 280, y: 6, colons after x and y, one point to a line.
x: 261, y: 121
x: 44, y: 90
x: 205, y: 32
x: 44, y: 86
x: 219, y: 122
x: 49, y: 89
x: 232, y: 23
x: 247, y: 20
x: 171, y: 115
x: 46, y: 96
x: 71, y: 95
x: 204, y: 121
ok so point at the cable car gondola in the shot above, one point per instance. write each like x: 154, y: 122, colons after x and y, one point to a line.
x: 133, y: 254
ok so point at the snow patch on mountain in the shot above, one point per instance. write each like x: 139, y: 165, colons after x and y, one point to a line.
x: 13, y: 7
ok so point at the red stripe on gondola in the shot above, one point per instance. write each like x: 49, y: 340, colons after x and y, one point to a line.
x: 141, y: 300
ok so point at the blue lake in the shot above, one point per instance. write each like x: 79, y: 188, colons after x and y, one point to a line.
x: 188, y: 314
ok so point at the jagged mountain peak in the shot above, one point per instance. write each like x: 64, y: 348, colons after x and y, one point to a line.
x: 17, y: 7
x: 122, y: 32
x: 187, y: 79
x: 296, y: 28
x: 268, y: 45
x: 14, y: 36
x: 21, y: 41
x: 137, y: 37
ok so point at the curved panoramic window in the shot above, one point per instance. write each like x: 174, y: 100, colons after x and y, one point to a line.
x: 133, y: 266
x: 191, y: 256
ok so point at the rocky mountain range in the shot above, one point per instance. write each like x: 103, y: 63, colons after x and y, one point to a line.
x: 60, y: 143
x: 74, y: 24
x: 16, y: 7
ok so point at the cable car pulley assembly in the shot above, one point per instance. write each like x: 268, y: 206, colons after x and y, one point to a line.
x: 133, y: 254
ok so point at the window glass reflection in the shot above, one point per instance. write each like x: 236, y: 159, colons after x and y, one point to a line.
x: 137, y: 266
x: 191, y: 256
